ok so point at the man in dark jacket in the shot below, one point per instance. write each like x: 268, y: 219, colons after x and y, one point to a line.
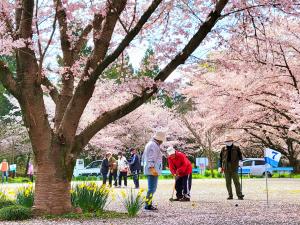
x: 135, y: 167
x: 181, y: 167
x: 105, y: 167
x: 229, y: 160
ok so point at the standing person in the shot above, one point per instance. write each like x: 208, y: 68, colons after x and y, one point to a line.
x: 4, y: 170
x: 105, y: 168
x: 229, y: 161
x: 30, y: 171
x: 122, y: 168
x: 181, y: 168
x: 113, y: 169
x: 152, y: 161
x: 135, y: 167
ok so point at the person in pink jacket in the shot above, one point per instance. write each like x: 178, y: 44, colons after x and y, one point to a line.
x: 30, y: 171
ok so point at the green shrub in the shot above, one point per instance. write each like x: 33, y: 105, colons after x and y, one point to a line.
x: 169, y: 176
x: 197, y: 176
x: 219, y: 175
x: 2, y: 195
x: 15, y: 212
x: 85, y: 178
x: 132, y: 201
x: 296, y: 175
x: 5, y: 203
x: 207, y: 173
x: 89, y: 197
x: 79, y: 178
x: 19, y: 180
x: 25, y: 196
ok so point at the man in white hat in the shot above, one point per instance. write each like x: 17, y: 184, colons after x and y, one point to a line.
x: 229, y: 160
x: 152, y: 161
x: 181, y: 167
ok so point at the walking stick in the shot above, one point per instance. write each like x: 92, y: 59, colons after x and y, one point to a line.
x: 241, y: 174
x: 171, y: 199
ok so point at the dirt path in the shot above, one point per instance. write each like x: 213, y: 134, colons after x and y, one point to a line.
x: 209, y: 205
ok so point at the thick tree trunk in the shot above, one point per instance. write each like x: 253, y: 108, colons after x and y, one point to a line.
x: 295, y: 163
x: 27, y: 164
x: 53, y: 183
x: 52, y: 192
x: 211, y: 165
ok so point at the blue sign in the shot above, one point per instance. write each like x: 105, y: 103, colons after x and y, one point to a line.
x: 13, y: 167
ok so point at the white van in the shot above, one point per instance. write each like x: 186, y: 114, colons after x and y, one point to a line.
x: 92, y: 169
x: 257, y: 166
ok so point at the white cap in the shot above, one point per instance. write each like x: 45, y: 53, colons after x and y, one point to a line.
x: 160, y: 136
x: 170, y: 151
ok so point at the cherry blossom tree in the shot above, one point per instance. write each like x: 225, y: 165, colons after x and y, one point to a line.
x: 272, y: 49
x: 31, y: 31
x: 256, y: 89
x: 136, y: 129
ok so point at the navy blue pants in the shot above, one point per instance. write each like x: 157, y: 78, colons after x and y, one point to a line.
x: 183, y: 186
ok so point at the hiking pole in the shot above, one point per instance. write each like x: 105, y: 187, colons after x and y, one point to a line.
x: 117, y: 178
x: 241, y: 174
x: 171, y: 199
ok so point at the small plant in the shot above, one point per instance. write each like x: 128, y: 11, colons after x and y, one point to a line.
x: 5, y: 203
x: 18, y: 180
x: 85, y: 178
x: 25, y: 196
x: 219, y: 175
x: 89, y: 197
x: 15, y: 212
x: 207, y: 173
x: 133, y: 202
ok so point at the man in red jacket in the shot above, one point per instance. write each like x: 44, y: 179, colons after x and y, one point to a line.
x: 180, y: 167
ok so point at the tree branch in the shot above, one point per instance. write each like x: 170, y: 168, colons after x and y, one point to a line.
x: 103, y: 31
x: 295, y: 83
x: 52, y: 89
x: 85, y: 89
x: 193, y: 131
x: 18, y: 16
x: 83, y: 138
x: 7, y: 80
x: 63, y: 25
x: 26, y: 19
x: 249, y: 7
x: 82, y: 39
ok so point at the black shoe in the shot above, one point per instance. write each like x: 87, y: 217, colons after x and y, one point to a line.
x: 174, y: 199
x: 184, y: 199
x: 150, y: 207
x: 241, y: 197
x: 230, y: 198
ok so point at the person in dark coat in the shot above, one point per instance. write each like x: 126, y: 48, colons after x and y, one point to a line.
x: 135, y: 167
x: 229, y: 160
x: 105, y: 167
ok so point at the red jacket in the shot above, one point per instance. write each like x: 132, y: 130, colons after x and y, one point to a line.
x: 180, y: 164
